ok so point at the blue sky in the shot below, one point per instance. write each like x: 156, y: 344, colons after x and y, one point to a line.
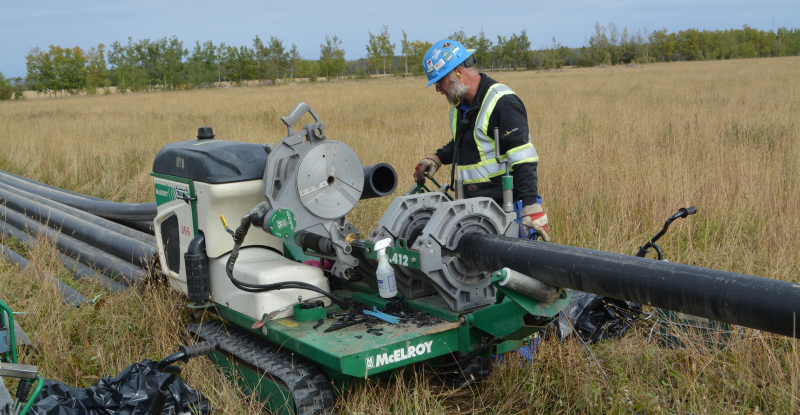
x: 28, y: 23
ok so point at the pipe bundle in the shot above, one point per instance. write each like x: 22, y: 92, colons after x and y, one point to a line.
x: 91, y: 243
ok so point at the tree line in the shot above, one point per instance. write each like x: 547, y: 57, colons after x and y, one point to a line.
x: 165, y: 64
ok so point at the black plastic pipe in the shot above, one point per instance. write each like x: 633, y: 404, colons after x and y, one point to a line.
x: 68, y: 294
x: 80, y: 270
x: 105, y: 209
x: 12, y: 176
x: 379, y: 180
x: 94, y: 219
x: 87, y: 254
x: 759, y: 303
x: 129, y: 249
x: 77, y: 269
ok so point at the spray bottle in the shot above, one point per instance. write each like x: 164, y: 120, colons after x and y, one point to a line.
x: 387, y: 286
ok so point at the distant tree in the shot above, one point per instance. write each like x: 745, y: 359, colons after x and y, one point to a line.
x: 39, y: 70
x: 261, y: 53
x: 70, y: 68
x: 6, y: 90
x: 380, y: 51
x: 331, y: 57
x: 405, y: 46
x: 278, y: 59
x: 483, y: 50
x: 96, y: 70
x: 170, y: 61
x: 294, y: 61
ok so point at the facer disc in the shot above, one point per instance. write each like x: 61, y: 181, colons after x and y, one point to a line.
x: 330, y: 179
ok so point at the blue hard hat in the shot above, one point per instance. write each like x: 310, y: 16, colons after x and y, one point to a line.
x: 442, y: 58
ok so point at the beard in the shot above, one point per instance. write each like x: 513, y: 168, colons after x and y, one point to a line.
x: 455, y: 90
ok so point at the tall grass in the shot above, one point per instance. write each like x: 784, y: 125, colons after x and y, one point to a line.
x: 621, y: 149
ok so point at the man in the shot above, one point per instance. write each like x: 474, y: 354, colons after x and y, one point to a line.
x: 478, y: 105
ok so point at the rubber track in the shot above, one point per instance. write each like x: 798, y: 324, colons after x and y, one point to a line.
x: 309, y: 386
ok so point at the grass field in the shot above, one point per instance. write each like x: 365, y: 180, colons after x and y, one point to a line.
x: 620, y: 150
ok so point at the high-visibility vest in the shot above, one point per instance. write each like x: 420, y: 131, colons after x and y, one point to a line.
x: 488, y: 167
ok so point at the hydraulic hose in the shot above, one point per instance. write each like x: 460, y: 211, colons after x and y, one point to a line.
x: 256, y: 215
x: 77, y: 269
x: 131, y: 250
x: 127, y: 228
x: 106, y: 209
x: 745, y: 300
x: 68, y: 294
x: 87, y: 254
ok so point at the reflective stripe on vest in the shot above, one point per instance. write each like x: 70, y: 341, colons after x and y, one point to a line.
x: 488, y: 167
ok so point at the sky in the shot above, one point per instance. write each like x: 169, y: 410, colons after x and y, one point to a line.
x: 85, y: 23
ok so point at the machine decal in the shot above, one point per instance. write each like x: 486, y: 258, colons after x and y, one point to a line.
x: 399, y: 355
x: 166, y: 193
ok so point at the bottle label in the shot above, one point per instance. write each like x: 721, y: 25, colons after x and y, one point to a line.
x: 392, y: 283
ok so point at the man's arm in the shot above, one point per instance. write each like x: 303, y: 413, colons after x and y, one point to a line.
x: 445, y: 153
x: 512, y: 119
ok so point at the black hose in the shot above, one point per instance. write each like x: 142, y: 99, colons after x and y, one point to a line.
x: 131, y: 250
x: 238, y: 239
x: 127, y: 228
x: 89, y: 255
x: 77, y: 269
x: 105, y: 209
x: 68, y: 294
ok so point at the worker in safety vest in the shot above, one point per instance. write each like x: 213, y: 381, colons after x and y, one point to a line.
x: 478, y: 104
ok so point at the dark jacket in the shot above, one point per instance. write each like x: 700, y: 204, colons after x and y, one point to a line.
x: 510, y: 116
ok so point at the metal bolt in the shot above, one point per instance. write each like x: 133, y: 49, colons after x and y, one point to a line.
x: 355, y: 262
x: 299, y: 298
x: 270, y: 228
x: 428, y: 243
x: 279, y: 211
x: 413, y: 260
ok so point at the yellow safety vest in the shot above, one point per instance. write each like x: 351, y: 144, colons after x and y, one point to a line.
x: 487, y: 168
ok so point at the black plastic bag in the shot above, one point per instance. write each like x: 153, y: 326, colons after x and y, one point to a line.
x: 129, y: 393
x: 594, y: 317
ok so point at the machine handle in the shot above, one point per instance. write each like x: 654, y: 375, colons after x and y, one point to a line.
x: 295, y: 115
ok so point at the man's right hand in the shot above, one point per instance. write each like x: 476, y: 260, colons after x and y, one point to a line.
x: 430, y: 165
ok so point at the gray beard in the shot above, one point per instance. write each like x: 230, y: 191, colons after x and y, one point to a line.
x: 455, y: 91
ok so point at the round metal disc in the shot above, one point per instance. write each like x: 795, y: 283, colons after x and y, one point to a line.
x: 330, y: 180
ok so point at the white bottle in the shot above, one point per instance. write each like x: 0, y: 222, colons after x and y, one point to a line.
x: 387, y: 286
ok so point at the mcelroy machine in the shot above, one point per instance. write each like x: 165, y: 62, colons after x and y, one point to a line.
x: 297, y: 332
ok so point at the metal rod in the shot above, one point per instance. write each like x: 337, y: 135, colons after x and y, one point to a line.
x: 745, y: 300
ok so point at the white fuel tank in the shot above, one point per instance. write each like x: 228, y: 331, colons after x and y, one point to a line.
x: 262, y: 266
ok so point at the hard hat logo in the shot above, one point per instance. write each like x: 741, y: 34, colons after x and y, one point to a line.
x: 446, y: 55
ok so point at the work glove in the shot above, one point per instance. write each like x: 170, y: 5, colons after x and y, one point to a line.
x: 534, y: 217
x: 430, y: 165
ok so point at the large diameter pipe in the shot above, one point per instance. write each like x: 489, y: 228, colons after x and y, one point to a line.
x: 379, y: 180
x: 105, y: 209
x: 759, y: 303
x: 136, y: 252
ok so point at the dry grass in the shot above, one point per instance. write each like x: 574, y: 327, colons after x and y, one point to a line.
x: 621, y: 149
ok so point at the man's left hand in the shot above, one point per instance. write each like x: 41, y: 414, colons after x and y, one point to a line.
x: 533, y: 216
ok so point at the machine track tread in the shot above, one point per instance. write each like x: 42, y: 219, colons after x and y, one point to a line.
x: 309, y: 386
